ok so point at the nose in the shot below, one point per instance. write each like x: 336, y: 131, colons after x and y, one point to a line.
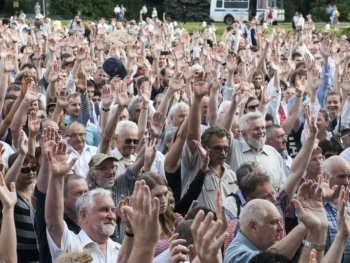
x: 273, y: 199
x: 280, y: 228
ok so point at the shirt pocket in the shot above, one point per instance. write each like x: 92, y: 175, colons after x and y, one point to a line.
x: 209, y: 183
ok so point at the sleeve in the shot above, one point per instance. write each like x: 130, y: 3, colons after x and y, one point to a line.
x: 70, y: 86
x: 273, y: 104
x: 315, y: 108
x: 192, y: 193
x: 232, y: 256
x: 84, y: 112
x: 345, y: 118
x: 227, y: 93
x: 322, y: 91
x: 304, y: 50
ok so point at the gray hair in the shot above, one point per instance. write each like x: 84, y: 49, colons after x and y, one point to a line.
x: 180, y: 105
x: 253, y: 211
x: 87, y: 202
x: 214, y: 130
x: 169, y: 134
x: 331, y: 163
x: 125, y: 125
x: 133, y: 101
x: 243, y: 122
x: 270, y: 130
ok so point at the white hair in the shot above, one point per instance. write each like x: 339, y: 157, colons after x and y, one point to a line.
x: 331, y: 163
x: 122, y: 125
x: 87, y: 201
x: 253, y: 211
x: 180, y: 105
x: 133, y: 101
x: 243, y: 122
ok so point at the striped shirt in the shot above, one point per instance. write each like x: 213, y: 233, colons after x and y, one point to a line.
x: 27, y: 247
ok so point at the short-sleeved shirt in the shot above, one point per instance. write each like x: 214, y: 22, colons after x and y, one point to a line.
x: 81, y: 166
x: 71, y: 242
x: 122, y: 163
x: 189, y: 168
x: 241, y: 250
x: 268, y: 157
x: 91, y: 132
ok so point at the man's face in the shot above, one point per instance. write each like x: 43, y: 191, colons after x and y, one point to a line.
x: 90, y: 92
x: 264, y: 191
x: 75, y: 188
x: 205, y: 105
x: 314, y: 166
x: 157, y: 102
x: 297, y: 59
x: 73, y: 107
x: 289, y: 93
x: 125, y: 141
x: 54, y: 126
x: 69, y: 67
x: 76, y: 135
x: 279, y: 140
x: 104, y: 174
x: 124, y: 116
x: 268, y: 234
x: 34, y: 106
x: 219, y: 147
x: 99, y: 75
x: 179, y: 117
x: 51, y: 109
x: 102, y: 218
x: 162, y: 61
x: 136, y: 110
x: 235, y: 128
x: 340, y: 174
x: 256, y: 134
x: 333, y: 104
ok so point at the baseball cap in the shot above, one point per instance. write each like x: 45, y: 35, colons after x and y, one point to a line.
x: 52, y: 101
x: 113, y: 67
x: 97, y: 159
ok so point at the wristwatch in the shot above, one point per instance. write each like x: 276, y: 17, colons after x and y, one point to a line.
x: 314, y: 245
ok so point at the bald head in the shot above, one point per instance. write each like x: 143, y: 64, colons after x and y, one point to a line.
x: 339, y: 172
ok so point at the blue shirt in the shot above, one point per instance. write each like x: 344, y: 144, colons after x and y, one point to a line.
x: 331, y: 212
x: 241, y: 250
x: 91, y: 132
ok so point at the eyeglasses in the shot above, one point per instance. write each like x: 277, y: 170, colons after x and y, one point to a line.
x: 76, y: 135
x: 219, y: 149
x: 282, y: 138
x: 105, y: 169
x: 26, y: 170
x: 253, y: 107
x: 317, y: 159
x: 96, y: 100
x: 129, y: 141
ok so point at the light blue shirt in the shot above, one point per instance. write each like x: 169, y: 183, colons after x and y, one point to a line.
x: 241, y: 250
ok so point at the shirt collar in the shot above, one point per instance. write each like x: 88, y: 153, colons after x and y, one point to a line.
x: 119, y: 156
x: 242, y: 238
x: 85, y: 239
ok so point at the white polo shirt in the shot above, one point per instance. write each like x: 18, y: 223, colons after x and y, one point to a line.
x: 81, y: 167
x: 71, y: 242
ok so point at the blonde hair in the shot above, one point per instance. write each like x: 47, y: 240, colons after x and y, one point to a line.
x: 75, y: 257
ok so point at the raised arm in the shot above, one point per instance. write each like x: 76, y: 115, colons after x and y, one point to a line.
x: 237, y: 97
x: 145, y: 92
x: 13, y: 172
x: 200, y: 89
x: 106, y: 102
x: 54, y: 206
x: 8, y: 240
x: 4, y: 78
x: 213, y: 99
x: 33, y: 128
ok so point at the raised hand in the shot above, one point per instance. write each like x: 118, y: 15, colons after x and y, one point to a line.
x: 156, y: 125
x: 9, y: 65
x: 175, y: 83
x: 8, y: 197
x: 231, y: 63
x: 342, y: 215
x: 54, y: 72
x: 177, y: 250
x: 123, y: 99
x: 58, y: 159
x: 206, y: 240
x: 150, y: 153
x: 309, y: 62
x: 313, y: 130
x: 200, y: 86
x: 323, y: 182
x: 48, y: 140
x: 106, y: 97
x: 345, y: 82
x: 81, y: 83
x: 80, y: 56
x: 145, y: 91
x: 310, y: 207
x: 23, y: 144
x: 238, y: 95
x: 33, y: 123
x: 315, y: 80
x: 52, y: 44
x: 221, y: 212
x: 32, y: 93
x: 62, y: 98
x: 121, y: 213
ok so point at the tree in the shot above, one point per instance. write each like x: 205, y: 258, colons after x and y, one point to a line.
x: 198, y: 10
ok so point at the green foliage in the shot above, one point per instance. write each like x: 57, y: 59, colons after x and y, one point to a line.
x: 198, y: 10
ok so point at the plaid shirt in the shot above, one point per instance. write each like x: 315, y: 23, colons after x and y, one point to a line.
x: 331, y: 212
x: 283, y: 205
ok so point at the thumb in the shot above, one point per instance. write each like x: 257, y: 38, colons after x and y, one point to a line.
x: 298, y: 207
x: 72, y: 162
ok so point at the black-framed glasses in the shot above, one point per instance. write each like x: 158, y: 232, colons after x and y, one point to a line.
x: 129, y: 141
x: 105, y: 169
x: 76, y: 135
x: 253, y: 107
x: 219, y: 149
x: 26, y: 170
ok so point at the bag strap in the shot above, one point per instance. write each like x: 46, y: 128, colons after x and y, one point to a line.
x: 339, y: 124
x: 238, y: 203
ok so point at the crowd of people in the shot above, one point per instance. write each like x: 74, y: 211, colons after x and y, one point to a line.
x: 142, y: 142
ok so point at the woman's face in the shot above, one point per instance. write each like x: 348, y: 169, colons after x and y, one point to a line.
x: 145, y: 137
x: 257, y: 92
x: 321, y: 122
x: 259, y: 79
x: 252, y: 106
x: 162, y: 193
x: 27, y: 174
x: 333, y: 104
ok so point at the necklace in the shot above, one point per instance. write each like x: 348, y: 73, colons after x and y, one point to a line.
x: 27, y: 200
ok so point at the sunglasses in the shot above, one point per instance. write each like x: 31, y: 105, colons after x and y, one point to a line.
x: 252, y: 107
x: 129, y: 141
x: 219, y: 149
x: 26, y: 170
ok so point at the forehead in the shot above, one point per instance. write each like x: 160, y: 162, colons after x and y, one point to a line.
x: 279, y: 131
x: 50, y: 123
x: 76, y: 184
x: 256, y: 122
x: 341, y: 167
x: 76, y: 127
x: 159, y: 189
x: 216, y: 140
x: 333, y: 98
x: 181, y: 111
x: 129, y: 132
x: 101, y: 201
x: 253, y: 102
x: 74, y: 99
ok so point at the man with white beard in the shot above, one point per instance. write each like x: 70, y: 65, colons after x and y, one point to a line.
x: 95, y: 215
x: 253, y: 149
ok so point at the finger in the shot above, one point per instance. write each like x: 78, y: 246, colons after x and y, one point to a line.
x: 208, y: 238
x: 13, y: 187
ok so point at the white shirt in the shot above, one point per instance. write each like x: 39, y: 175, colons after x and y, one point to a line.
x: 71, y: 242
x: 122, y: 163
x: 179, y: 31
x: 158, y: 164
x: 300, y: 22
x: 81, y: 166
x: 117, y: 9
x: 346, y: 154
x: 7, y: 153
x: 154, y: 13
x: 162, y: 258
x: 144, y: 9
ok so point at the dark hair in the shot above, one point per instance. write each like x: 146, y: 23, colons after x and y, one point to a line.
x: 5, y: 21
x: 10, y: 96
x: 14, y: 87
x: 284, y: 84
x: 250, y: 99
x: 329, y: 146
x: 299, y: 65
x: 90, y: 83
x: 27, y: 65
x: 243, y: 170
x: 296, y: 54
x: 268, y: 117
x: 214, y: 130
x: 184, y: 230
x: 250, y: 182
x: 269, y: 257
x: 97, y: 93
x: 28, y: 159
x: 193, y: 212
x: 68, y: 178
x: 296, y: 73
